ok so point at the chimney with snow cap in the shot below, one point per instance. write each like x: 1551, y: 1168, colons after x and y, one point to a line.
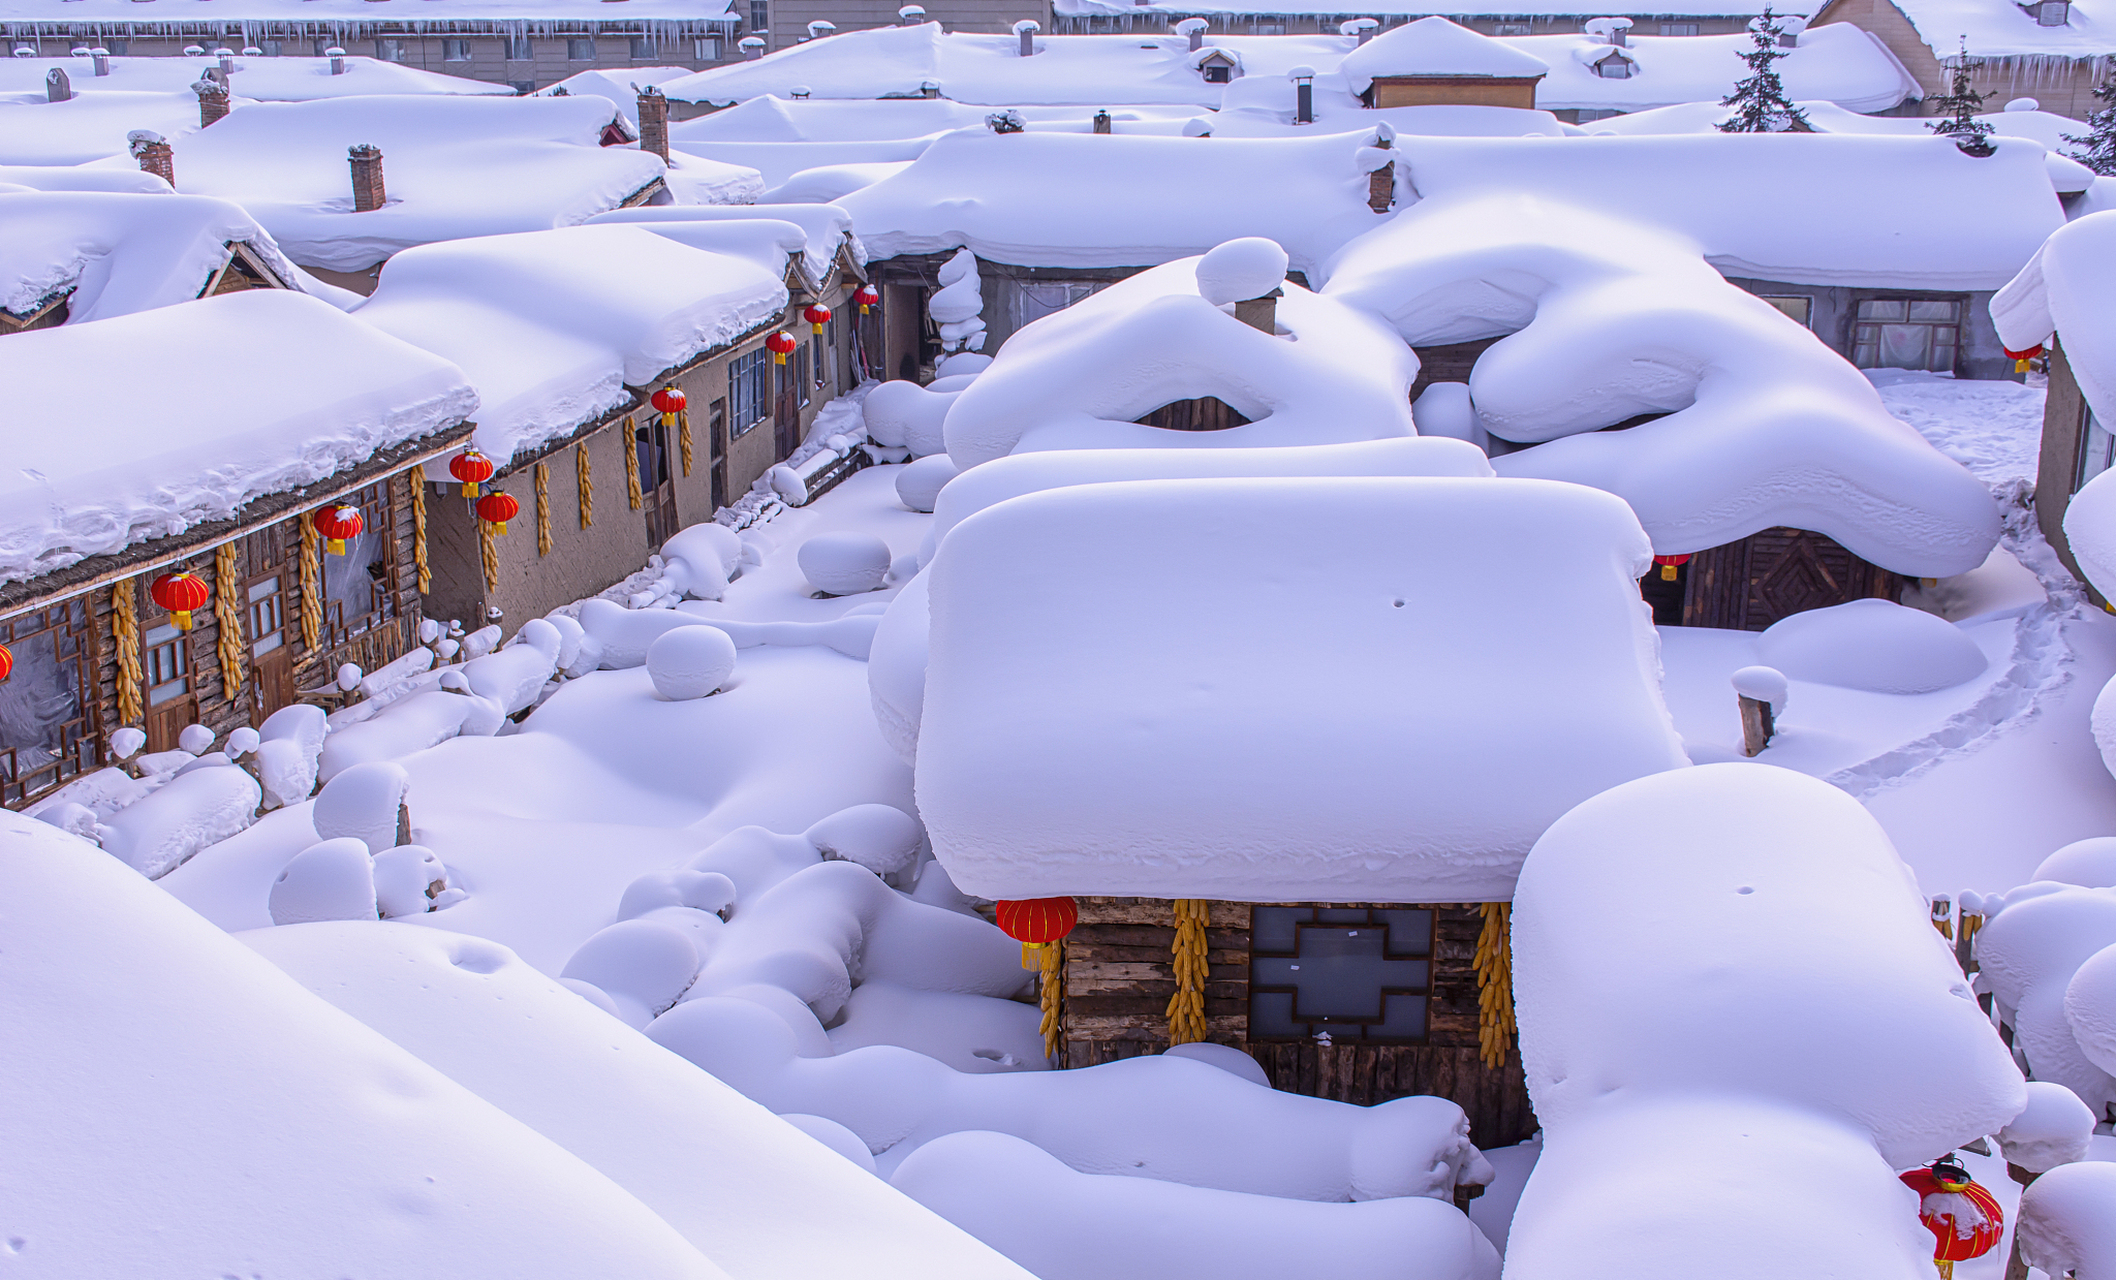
x: 1195, y: 29
x: 152, y: 151
x: 1102, y: 121
x: 820, y: 28
x: 928, y: 89
x: 212, y: 100
x: 1381, y: 181
x: 1360, y: 29
x: 100, y: 58
x: 57, y: 88
x: 227, y: 59
x: 1303, y: 79
x: 337, y: 57
x: 752, y: 47
x: 1615, y: 31
x: 368, y: 192
x: 1027, y: 29
x: 654, y: 122
x: 1246, y: 272
x: 910, y: 15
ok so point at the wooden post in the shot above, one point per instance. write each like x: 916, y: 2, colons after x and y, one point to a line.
x: 1943, y: 916
x: 1757, y: 725
x: 2016, y: 1265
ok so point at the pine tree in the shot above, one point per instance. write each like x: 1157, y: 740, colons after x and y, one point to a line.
x: 2098, y: 147
x: 1959, y: 106
x: 1759, y: 101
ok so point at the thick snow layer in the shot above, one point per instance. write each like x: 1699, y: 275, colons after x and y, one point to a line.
x: 552, y: 326
x: 453, y: 167
x: 2054, y: 1128
x: 696, y: 180
x: 621, y: 88
x: 118, y: 254
x: 1068, y: 1225
x: 825, y: 183
x: 118, y: 14
x: 2090, y: 862
x: 1763, y: 425
x: 2090, y: 527
x: 826, y: 226
x: 260, y: 79
x: 179, y: 1106
x: 2068, y: 1221
x: 1082, y: 377
x: 1166, y: 648
x: 1993, y: 427
x: 1258, y: 108
x: 166, y: 449
x: 2030, y: 948
x: 1435, y: 47
x: 91, y: 125
x: 2064, y: 290
x: 74, y: 178
x: 768, y: 242
x: 1018, y: 198
x: 2008, y: 31
x: 1838, y: 65
x: 757, y: 1197
x: 826, y: 119
x: 1877, y: 645
x: 1699, y: 999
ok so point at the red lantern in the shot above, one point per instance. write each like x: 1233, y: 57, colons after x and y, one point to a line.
x: 2021, y: 358
x: 1036, y: 923
x: 1964, y: 1219
x: 817, y: 316
x: 668, y: 402
x: 867, y: 297
x: 181, y: 594
x: 1668, y: 565
x: 472, y: 468
x: 7, y: 662
x: 496, y: 509
x: 781, y: 345
x: 336, y: 524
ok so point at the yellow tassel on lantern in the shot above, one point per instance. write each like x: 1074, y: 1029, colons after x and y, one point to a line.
x: 500, y: 527
x: 334, y: 546
x: 182, y: 619
x: 778, y: 357
x: 470, y: 488
x: 668, y: 420
x: 1032, y: 956
x: 1667, y: 573
x: 2020, y: 366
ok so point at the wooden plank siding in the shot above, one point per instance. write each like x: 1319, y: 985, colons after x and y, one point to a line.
x: 1119, y: 976
x: 1767, y: 576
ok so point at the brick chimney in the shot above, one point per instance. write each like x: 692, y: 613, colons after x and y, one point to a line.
x: 654, y: 122
x: 212, y: 101
x: 152, y: 151
x: 57, y: 88
x: 1260, y: 313
x: 367, y: 178
x: 1381, y: 183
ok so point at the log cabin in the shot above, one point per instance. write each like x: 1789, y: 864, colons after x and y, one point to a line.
x: 174, y: 474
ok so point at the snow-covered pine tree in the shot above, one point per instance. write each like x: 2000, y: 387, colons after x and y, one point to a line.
x: 2097, y: 149
x: 1958, y: 109
x: 1759, y: 101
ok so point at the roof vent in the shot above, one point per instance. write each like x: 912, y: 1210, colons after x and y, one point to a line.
x: 1195, y: 29
x: 910, y: 15
x: 1027, y: 29
x: 1615, y: 31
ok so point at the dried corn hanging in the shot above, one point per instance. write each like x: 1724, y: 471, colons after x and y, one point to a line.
x: 125, y: 625
x: 311, y: 587
x: 416, y: 477
x: 488, y: 555
x: 1186, y: 1008
x: 587, y: 484
x: 543, y: 509
x: 1052, y: 993
x: 227, y: 617
x: 1495, y: 984
x: 683, y: 438
x: 632, y: 492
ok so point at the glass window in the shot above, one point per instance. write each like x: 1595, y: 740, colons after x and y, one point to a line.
x: 706, y: 50
x: 1799, y: 308
x: 801, y: 382
x: 520, y: 50
x: 1032, y: 300
x: 1356, y: 974
x: 2097, y: 449
x: 1614, y: 69
x: 578, y: 50
x: 47, y: 708
x: 389, y: 50
x: 167, y: 663
x: 759, y: 16
x: 356, y: 592
x: 455, y: 51
x: 1511, y: 29
x: 1678, y: 28
x: 748, y: 390
x: 643, y: 49
x: 267, y: 617
x: 1907, y: 333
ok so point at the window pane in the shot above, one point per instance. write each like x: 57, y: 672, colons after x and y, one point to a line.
x: 1796, y: 307
x: 40, y: 701
x: 1904, y: 346
x: 2097, y: 450
x: 1882, y: 309
x: 1933, y: 310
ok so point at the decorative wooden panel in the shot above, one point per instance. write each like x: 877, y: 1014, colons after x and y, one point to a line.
x: 1448, y: 362
x: 1206, y: 413
x: 1750, y: 584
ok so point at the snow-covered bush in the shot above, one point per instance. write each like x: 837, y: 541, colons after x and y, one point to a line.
x: 2054, y: 1128
x: 957, y: 307
x: 707, y: 891
x: 196, y: 739
x: 330, y: 880
x: 700, y: 560
x: 363, y: 802
x: 156, y: 834
x: 879, y: 837
x: 919, y: 484
x: 1698, y: 995
x: 900, y: 413
x: 289, y: 753
x: 515, y: 675
x: 412, y: 724
x: 2035, y: 941
x: 844, y: 564
x: 690, y: 662
x: 1876, y: 645
x: 2090, y: 863
x: 2068, y: 1221
x: 2090, y: 1009
x: 407, y: 879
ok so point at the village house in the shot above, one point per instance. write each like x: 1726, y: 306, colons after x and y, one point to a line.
x: 2054, y: 51
x: 576, y: 340
x: 1081, y: 17
x: 1434, y: 62
x: 201, y: 549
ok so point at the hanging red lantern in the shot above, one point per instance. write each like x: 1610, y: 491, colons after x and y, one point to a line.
x: 668, y: 402
x: 336, y: 524
x: 181, y: 594
x: 1668, y: 566
x: 817, y: 316
x: 1036, y: 923
x: 868, y: 297
x: 2021, y: 358
x: 7, y: 662
x: 472, y: 468
x: 781, y: 345
x: 1964, y: 1219
x: 497, y: 508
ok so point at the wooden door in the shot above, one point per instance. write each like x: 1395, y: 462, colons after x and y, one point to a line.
x: 172, y: 704
x: 716, y: 451
x: 786, y: 413
x: 657, y: 482
x: 271, y: 609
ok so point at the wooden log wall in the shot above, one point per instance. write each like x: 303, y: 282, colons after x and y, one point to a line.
x: 1767, y: 576
x: 1119, y: 975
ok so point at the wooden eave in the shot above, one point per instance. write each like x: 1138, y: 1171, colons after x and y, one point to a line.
x: 48, y: 589
x: 1465, y: 79
x: 13, y: 322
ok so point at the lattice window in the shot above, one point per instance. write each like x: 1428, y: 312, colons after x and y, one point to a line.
x: 50, y: 728
x: 1360, y: 975
x: 748, y: 390
x: 2097, y: 449
x: 356, y: 585
x: 1907, y: 333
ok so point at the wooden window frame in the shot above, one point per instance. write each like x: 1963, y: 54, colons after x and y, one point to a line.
x: 1369, y: 917
x: 69, y: 628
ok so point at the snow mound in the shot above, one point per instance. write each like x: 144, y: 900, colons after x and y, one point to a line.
x: 2090, y: 863
x: 2090, y: 521
x: 905, y: 414
x: 879, y: 837
x: 1436, y: 47
x: 2090, y: 1009
x: 690, y: 662
x: 2063, y: 290
x: 1107, y: 642
x: 2054, y: 1128
x: 1696, y: 995
x: 2068, y: 1221
x: 1225, y: 1057
x: 2034, y: 942
x: 844, y: 564
x: 700, y: 560
x: 1241, y: 269
x: 407, y: 878
x: 278, y: 1131
x: 196, y: 809
x: 331, y: 880
x: 918, y: 485
x: 1084, y: 376
x: 1064, y: 1224
x: 1764, y: 684
x: 643, y: 965
x: 363, y: 803
x: 1754, y: 423
x: 1876, y: 645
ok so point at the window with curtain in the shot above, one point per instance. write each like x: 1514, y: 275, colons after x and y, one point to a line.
x: 748, y: 391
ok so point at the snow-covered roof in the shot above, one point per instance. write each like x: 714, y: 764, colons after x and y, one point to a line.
x: 620, y: 87
x: 550, y: 326
x: 1158, y: 688
x: 1257, y: 108
x: 90, y: 125
x: 115, y: 254
x: 1436, y: 47
x: 260, y: 79
x: 1839, y: 63
x: 1093, y: 71
x: 1512, y: 10
x: 1995, y: 29
x: 775, y: 119
x: 2065, y: 289
x: 1911, y: 213
x: 361, y: 15
x: 452, y: 166
x: 823, y: 227
x: 66, y: 177
x: 1041, y: 199
x: 198, y: 410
